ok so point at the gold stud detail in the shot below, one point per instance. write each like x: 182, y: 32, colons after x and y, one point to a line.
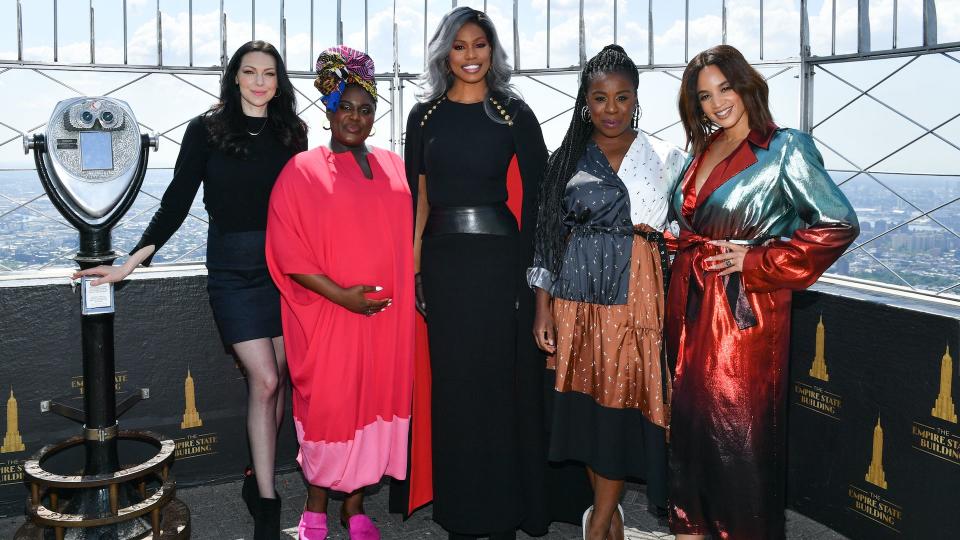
x: 430, y: 111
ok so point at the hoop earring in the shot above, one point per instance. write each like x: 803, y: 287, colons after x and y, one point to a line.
x: 585, y: 114
x: 276, y: 94
x: 373, y: 131
x: 637, y: 114
x: 326, y: 124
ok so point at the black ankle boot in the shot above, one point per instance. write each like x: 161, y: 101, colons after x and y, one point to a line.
x: 249, y: 492
x: 266, y: 521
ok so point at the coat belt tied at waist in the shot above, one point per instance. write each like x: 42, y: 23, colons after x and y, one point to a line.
x: 732, y: 283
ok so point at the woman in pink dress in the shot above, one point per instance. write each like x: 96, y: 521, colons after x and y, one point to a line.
x: 339, y: 249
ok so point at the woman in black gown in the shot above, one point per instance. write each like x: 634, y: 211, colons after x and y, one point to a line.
x: 489, y: 459
x: 236, y: 150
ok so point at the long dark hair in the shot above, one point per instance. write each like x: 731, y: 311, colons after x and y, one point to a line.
x: 225, y: 121
x: 562, y: 165
x: 745, y: 81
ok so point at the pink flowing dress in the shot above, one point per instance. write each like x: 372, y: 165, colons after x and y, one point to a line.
x: 352, y: 374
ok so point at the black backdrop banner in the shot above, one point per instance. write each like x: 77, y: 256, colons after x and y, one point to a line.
x: 165, y: 340
x: 874, y: 443
x: 874, y: 440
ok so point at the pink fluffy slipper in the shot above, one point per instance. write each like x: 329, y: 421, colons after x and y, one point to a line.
x: 361, y: 528
x: 313, y: 526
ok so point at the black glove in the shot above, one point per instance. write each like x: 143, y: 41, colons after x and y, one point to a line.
x: 421, y: 304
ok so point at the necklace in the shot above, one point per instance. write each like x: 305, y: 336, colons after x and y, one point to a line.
x: 262, y: 127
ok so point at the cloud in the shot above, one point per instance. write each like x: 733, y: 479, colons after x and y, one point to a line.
x: 781, y: 32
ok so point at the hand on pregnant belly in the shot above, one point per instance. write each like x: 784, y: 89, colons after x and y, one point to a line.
x: 364, y: 299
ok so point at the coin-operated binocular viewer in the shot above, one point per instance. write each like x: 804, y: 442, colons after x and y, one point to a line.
x: 91, y: 160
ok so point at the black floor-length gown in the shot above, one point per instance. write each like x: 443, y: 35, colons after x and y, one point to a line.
x: 489, y: 454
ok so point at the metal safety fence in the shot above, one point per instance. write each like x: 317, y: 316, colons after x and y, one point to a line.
x: 837, y: 69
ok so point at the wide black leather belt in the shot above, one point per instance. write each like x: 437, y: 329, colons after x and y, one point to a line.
x: 495, y: 219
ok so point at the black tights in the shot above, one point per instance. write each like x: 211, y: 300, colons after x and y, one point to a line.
x: 509, y: 535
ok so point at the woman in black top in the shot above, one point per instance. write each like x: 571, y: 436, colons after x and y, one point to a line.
x: 236, y: 149
x: 489, y: 459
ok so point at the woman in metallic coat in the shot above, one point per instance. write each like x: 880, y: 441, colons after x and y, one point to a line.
x: 759, y: 217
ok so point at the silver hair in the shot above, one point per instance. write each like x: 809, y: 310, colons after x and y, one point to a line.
x: 437, y: 79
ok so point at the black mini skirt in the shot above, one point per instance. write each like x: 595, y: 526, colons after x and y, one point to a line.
x: 245, y: 302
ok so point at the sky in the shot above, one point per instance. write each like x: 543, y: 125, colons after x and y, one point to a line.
x: 164, y: 102
x: 781, y: 23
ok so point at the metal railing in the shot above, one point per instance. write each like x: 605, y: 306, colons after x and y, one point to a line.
x: 546, y: 75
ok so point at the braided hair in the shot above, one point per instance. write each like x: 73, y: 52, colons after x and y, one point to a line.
x: 562, y: 164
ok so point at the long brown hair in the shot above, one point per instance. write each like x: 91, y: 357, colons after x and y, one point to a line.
x: 745, y: 81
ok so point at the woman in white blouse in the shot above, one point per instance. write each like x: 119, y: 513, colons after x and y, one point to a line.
x: 599, y: 273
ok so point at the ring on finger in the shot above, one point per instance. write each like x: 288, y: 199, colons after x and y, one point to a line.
x: 729, y: 263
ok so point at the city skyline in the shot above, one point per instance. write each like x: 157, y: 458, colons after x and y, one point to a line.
x: 922, y: 252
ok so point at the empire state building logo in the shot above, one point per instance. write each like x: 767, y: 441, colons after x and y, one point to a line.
x: 191, y: 418
x: 944, y: 408
x: 12, y: 442
x: 819, y: 368
x: 875, y: 474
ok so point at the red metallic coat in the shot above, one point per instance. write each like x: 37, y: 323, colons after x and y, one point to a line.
x: 730, y: 335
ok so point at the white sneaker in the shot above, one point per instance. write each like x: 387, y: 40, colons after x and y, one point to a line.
x: 589, y: 511
x: 586, y: 520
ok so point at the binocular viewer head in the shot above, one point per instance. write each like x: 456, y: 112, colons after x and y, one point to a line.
x: 91, y: 158
x: 84, y: 115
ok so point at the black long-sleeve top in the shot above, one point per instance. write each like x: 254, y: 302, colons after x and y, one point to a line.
x: 236, y: 191
x: 465, y: 156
